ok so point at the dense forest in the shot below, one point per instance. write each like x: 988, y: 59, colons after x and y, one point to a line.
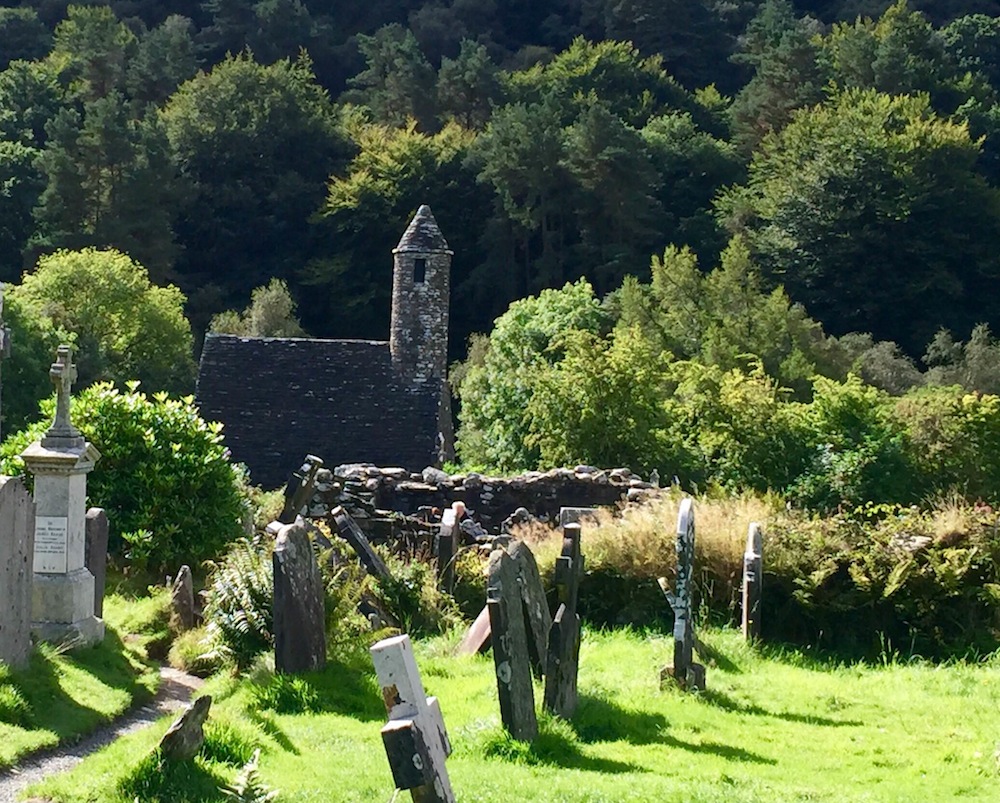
x: 816, y: 185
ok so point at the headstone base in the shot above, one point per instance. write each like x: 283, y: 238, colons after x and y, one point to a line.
x: 695, y: 677
x: 67, y: 603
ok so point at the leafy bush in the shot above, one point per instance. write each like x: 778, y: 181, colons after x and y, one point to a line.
x: 164, y: 477
x: 284, y: 694
x: 411, y: 594
x: 195, y: 652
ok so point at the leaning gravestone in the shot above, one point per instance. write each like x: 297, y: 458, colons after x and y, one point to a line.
x: 563, y: 651
x: 299, y: 617
x: 753, y: 560
x: 510, y: 648
x: 299, y: 490
x: 537, y: 619
x: 17, y: 534
x: 96, y: 532
x: 342, y: 523
x: 685, y: 672
x: 415, y: 739
x: 63, y: 588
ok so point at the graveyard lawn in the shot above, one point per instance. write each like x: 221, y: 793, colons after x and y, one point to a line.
x: 772, y: 725
x: 62, y: 696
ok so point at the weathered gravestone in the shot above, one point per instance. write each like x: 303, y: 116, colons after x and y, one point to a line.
x: 510, y: 648
x: 182, y: 612
x: 299, y: 618
x: 447, y: 540
x: 96, y: 536
x: 63, y: 588
x: 342, y: 523
x: 537, y: 619
x: 415, y: 739
x: 187, y: 734
x: 753, y: 560
x: 685, y: 672
x: 17, y: 535
x: 563, y: 652
x: 299, y: 490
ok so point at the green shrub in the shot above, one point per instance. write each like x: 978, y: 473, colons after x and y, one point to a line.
x: 194, y: 652
x: 227, y: 744
x: 412, y: 596
x: 164, y: 478
x: 239, y: 602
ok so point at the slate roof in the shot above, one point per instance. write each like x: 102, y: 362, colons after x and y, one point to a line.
x: 423, y: 235
x: 280, y: 399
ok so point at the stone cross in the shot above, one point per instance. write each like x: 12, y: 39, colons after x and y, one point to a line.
x: 753, y: 560
x: 684, y: 670
x: 415, y: 739
x: 563, y: 653
x: 63, y: 375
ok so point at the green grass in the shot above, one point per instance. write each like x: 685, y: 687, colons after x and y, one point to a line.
x: 773, y: 726
x: 62, y: 696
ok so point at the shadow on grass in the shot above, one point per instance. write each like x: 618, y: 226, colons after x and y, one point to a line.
x: 721, y: 700
x: 271, y: 728
x: 716, y: 658
x: 156, y: 780
x: 55, y: 710
x: 556, y: 745
x: 726, y: 751
x: 598, y: 719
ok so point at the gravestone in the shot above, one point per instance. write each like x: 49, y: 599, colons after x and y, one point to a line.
x: 349, y: 530
x: 685, y: 672
x: 537, y: 618
x: 182, y: 613
x: 477, y: 637
x: 96, y: 536
x: 753, y: 561
x: 186, y: 735
x: 447, y: 538
x: 299, y: 617
x: 17, y: 534
x: 563, y: 651
x: 299, y: 490
x: 416, y: 742
x: 510, y: 648
x: 62, y: 588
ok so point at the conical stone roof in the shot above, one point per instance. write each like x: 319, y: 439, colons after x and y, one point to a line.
x: 423, y: 235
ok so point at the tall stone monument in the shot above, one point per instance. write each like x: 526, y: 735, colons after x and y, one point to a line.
x: 62, y: 608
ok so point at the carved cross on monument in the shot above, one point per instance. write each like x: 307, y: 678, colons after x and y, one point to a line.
x: 63, y: 374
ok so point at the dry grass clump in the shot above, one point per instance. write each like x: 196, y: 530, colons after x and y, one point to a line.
x: 952, y: 520
x: 639, y: 540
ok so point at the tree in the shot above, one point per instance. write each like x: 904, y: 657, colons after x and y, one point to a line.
x: 124, y: 328
x: 494, y: 424
x: 271, y: 314
x: 468, y: 86
x: 165, y: 57
x: 398, y: 82
x: 864, y: 208
x: 93, y: 48
x: 254, y: 146
x: 23, y: 34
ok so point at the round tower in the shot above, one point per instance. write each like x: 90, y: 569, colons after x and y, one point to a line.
x: 421, y: 281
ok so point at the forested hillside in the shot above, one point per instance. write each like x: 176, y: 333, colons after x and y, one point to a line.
x: 834, y: 164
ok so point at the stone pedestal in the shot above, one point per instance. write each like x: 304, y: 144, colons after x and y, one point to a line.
x: 63, y: 588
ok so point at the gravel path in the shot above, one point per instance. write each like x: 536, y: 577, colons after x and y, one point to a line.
x: 175, y: 691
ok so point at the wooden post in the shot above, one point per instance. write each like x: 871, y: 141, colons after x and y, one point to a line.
x: 510, y: 648
x: 415, y: 739
x: 446, y: 551
x: 684, y: 670
x: 753, y: 560
x: 563, y: 653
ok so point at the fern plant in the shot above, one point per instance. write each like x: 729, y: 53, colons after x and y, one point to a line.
x: 248, y: 787
x: 239, y: 604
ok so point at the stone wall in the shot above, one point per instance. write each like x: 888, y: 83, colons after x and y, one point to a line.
x: 372, y: 494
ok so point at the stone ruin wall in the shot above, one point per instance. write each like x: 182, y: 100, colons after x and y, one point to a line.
x: 372, y: 495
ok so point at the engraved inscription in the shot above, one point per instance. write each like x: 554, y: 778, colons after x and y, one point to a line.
x: 51, y: 544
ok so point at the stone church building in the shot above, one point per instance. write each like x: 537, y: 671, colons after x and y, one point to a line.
x: 345, y: 401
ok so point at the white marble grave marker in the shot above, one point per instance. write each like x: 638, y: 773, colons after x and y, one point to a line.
x: 415, y: 739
